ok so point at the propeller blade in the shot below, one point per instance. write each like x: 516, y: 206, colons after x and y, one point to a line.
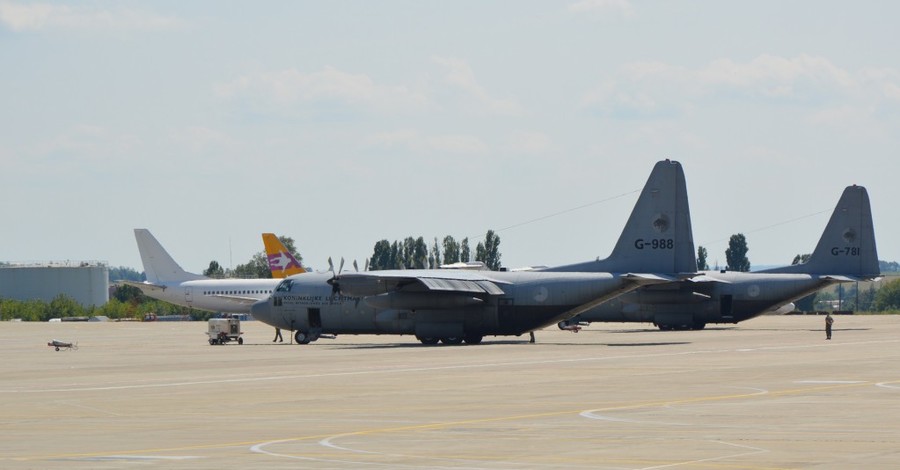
x: 355, y: 266
x: 341, y: 269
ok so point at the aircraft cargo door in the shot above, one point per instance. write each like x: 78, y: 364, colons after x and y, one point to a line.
x: 188, y: 294
x: 726, y: 307
x: 315, y: 318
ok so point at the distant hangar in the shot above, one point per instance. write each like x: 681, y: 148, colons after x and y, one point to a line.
x: 87, y: 282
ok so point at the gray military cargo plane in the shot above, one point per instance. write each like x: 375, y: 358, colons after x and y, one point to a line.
x: 452, y: 306
x: 845, y: 252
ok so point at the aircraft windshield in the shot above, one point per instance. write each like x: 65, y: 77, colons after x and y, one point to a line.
x: 284, y: 286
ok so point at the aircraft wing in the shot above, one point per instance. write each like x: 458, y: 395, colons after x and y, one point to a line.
x: 243, y: 300
x: 145, y: 287
x: 363, y: 284
x: 841, y: 278
x: 636, y: 280
x: 645, y: 279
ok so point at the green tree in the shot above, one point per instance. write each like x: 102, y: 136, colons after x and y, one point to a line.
x: 736, y: 254
x: 420, y: 254
x: 888, y: 296
x: 701, y: 259
x: 125, y: 274
x: 256, y: 268
x: 381, y: 256
x: 451, y: 250
x: 396, y: 255
x: 464, y: 253
x: 128, y: 294
x: 489, y: 251
x: 63, y: 306
x: 434, y: 258
x: 866, y: 302
x: 214, y: 270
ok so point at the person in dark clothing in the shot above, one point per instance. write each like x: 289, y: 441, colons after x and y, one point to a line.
x: 278, y: 336
x: 828, y: 322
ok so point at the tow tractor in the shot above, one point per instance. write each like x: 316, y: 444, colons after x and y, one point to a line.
x: 223, y: 330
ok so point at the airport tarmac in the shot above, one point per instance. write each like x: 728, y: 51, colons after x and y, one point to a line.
x: 769, y: 393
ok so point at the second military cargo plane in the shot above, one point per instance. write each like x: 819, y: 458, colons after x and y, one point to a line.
x: 845, y: 252
x: 452, y: 306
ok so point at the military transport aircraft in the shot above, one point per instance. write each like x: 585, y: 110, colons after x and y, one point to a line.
x: 452, y: 306
x: 845, y: 252
x: 167, y: 281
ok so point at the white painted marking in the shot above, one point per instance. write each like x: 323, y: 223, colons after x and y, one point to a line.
x: 829, y: 381
x: 753, y: 451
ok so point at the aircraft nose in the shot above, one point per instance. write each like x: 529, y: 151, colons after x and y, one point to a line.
x: 262, y: 311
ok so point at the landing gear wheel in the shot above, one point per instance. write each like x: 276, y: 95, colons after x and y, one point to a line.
x: 473, y: 339
x: 699, y: 326
x: 212, y: 342
x: 301, y: 337
x: 562, y: 325
x: 452, y: 340
x: 240, y: 340
x: 427, y: 340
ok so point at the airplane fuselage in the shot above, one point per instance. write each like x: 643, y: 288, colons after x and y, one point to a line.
x: 529, y: 300
x: 724, y: 297
x: 216, y: 295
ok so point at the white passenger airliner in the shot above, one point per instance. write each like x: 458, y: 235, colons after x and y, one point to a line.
x: 167, y: 281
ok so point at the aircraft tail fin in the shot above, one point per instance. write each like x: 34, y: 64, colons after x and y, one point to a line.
x: 657, y: 237
x: 282, y: 262
x: 159, y: 267
x: 847, y: 246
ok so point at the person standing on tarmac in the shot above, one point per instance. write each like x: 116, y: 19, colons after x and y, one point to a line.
x: 278, y: 336
x: 828, y: 322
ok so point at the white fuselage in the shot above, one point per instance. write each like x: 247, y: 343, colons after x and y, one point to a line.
x: 216, y: 295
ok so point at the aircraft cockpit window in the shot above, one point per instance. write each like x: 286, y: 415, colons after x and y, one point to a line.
x: 284, y: 286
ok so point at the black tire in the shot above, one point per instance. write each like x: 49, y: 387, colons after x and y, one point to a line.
x: 240, y: 340
x: 474, y: 339
x: 427, y: 340
x: 301, y: 337
x: 699, y: 326
x: 452, y: 340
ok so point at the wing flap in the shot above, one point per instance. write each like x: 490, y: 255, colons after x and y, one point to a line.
x: 365, y: 284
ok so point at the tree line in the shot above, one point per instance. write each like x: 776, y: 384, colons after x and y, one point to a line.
x: 413, y: 253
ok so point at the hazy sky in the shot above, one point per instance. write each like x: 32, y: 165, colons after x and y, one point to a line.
x: 343, y: 123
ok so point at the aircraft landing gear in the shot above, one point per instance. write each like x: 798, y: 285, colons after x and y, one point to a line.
x: 301, y: 337
x: 427, y: 340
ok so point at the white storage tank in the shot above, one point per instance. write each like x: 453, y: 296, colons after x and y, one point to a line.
x: 87, y: 282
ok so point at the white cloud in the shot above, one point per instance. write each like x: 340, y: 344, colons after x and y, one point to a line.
x: 622, y: 7
x: 657, y: 89
x: 287, y: 89
x: 21, y: 17
x: 460, y: 76
x: 417, y: 143
x: 531, y: 143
